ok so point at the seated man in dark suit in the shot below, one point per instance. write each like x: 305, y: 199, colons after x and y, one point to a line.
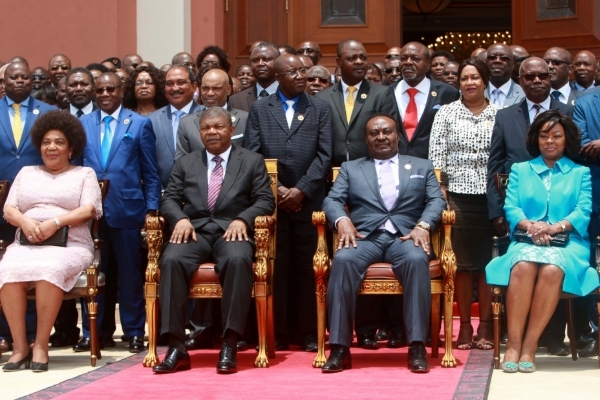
x: 393, y: 202
x: 211, y: 202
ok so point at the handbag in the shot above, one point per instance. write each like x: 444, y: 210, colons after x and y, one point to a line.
x: 558, y: 240
x: 58, y: 239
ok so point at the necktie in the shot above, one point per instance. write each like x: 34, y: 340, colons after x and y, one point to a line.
x: 556, y: 94
x: 106, y: 140
x: 17, y: 124
x: 263, y: 93
x: 350, y: 103
x: 79, y: 113
x: 214, y: 185
x: 411, y: 116
x: 177, y: 114
x: 289, y: 114
x: 496, y: 97
x: 389, y: 194
x: 537, y: 108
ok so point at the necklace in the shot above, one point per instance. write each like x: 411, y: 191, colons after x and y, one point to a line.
x: 485, y: 104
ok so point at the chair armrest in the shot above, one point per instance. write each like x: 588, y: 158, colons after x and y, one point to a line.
x: 264, y: 234
x: 154, y: 228
x: 321, y: 262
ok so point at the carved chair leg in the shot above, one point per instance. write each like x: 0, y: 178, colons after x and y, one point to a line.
x: 496, y: 306
x: 435, y: 325
x: 448, y: 361
x: 260, y: 296
x: 151, y: 358
x: 320, y: 358
x: 571, y: 329
x: 94, y: 340
x: 270, y: 327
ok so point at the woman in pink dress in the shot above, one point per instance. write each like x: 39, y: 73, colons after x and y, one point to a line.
x: 41, y: 200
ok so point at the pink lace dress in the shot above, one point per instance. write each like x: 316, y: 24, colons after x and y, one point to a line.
x: 41, y: 196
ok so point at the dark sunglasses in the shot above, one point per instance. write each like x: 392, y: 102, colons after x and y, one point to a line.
x: 321, y: 80
x: 109, y: 89
x: 63, y: 67
x: 544, y: 76
x: 558, y: 63
x: 448, y: 73
x: 40, y: 77
x: 502, y: 58
x: 392, y: 56
x: 392, y: 69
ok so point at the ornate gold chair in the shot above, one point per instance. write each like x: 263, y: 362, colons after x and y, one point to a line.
x: 91, y: 281
x: 205, y: 283
x: 380, y: 279
x: 501, y: 184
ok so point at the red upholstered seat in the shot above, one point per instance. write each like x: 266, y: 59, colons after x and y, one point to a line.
x: 384, y: 270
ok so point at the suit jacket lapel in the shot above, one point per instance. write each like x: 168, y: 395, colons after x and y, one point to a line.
x: 337, y: 95
x: 235, y: 120
x: 233, y: 168
x: 368, y: 169
x: 167, y: 127
x: 5, y: 123
x: 302, y: 109
x: 201, y: 166
x: 361, y: 97
x: 404, y: 177
x: 120, y: 131
x: 96, y: 135
x: 252, y: 97
x: 428, y: 107
x: 523, y: 119
x: 276, y: 109
x: 31, y: 117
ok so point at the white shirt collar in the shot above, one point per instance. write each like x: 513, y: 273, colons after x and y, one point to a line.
x: 225, y: 106
x: 115, y: 115
x: 271, y: 89
x: 422, y: 87
x: 504, y: 88
x: 394, y: 160
x: 345, y: 86
x: 565, y: 91
x: 224, y: 155
x: 86, y: 110
x: 185, y: 109
x: 545, y: 104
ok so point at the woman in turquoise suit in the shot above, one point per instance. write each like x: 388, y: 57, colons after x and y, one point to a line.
x: 546, y: 196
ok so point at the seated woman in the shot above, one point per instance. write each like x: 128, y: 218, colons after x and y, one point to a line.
x: 546, y: 196
x: 41, y: 200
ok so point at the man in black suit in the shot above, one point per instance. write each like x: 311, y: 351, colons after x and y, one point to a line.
x: 418, y: 99
x: 262, y: 60
x: 211, y: 202
x: 508, y: 147
x: 294, y: 128
x: 559, y: 65
x: 353, y: 100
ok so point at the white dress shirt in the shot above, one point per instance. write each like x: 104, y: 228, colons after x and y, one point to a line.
x: 86, y: 110
x: 504, y: 89
x: 532, y: 111
x: 346, y: 92
x: 270, y: 90
x: 402, y: 96
x: 565, y: 92
x: 211, y: 164
x: 112, y: 124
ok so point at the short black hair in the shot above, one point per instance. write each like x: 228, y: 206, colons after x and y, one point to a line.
x: 289, y: 49
x: 443, y: 53
x: 382, y: 114
x: 479, y: 65
x: 62, y: 121
x: 47, y: 91
x: 97, y: 67
x: 376, y: 69
x: 341, y: 45
x: 217, y: 51
x: 83, y: 71
x: 553, y: 117
x: 181, y: 66
x: 212, y: 112
x: 243, y: 65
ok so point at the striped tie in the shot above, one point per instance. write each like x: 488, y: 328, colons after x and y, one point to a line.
x: 17, y: 124
x: 214, y: 185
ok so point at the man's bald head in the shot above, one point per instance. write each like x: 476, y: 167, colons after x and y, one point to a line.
x: 500, y: 63
x: 318, y: 78
x: 476, y: 52
x: 584, y: 68
x: 215, y: 88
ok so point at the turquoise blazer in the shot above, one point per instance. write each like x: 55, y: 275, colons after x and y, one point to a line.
x: 569, y: 198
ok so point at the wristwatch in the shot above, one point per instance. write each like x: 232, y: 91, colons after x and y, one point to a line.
x: 424, y: 225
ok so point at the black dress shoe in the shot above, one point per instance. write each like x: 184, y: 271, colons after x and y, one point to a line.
x: 382, y: 334
x: 15, y: 366
x: 201, y: 342
x: 174, y: 361
x: 5, y: 346
x: 124, y: 338
x: 396, y: 341
x: 309, y: 344
x: 339, y: 360
x: 62, y: 340
x: 558, y: 349
x: 136, y: 344
x: 367, y: 342
x: 590, y: 350
x: 108, y: 341
x: 242, y: 345
x: 417, y: 359
x: 39, y: 367
x: 84, y: 345
x: 227, y: 360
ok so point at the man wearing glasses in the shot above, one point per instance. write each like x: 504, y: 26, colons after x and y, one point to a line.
x: 295, y: 128
x: 502, y: 91
x: 450, y: 74
x: 318, y: 78
x: 559, y: 67
x: 121, y: 147
x: 310, y: 50
x: 58, y: 66
x: 39, y: 78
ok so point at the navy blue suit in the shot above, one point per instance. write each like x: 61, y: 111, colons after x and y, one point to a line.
x: 131, y: 161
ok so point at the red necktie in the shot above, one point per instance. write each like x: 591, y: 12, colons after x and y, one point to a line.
x: 411, y: 117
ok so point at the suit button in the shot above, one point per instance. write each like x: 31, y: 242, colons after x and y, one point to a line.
x: 347, y: 142
x: 18, y: 157
x: 289, y: 141
x: 410, y: 147
x: 212, y: 216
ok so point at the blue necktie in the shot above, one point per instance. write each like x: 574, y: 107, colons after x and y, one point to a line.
x: 556, y: 95
x: 177, y: 114
x: 106, y: 140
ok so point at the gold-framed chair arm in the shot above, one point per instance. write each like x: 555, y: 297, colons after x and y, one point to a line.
x: 263, y: 226
x: 448, y: 260
x: 154, y: 234
x: 321, y: 268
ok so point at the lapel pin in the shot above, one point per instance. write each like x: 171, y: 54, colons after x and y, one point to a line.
x: 232, y: 119
x: 434, y: 94
x: 407, y: 166
x: 363, y: 96
x: 36, y: 112
x: 300, y: 117
x: 573, y: 102
x: 126, y: 122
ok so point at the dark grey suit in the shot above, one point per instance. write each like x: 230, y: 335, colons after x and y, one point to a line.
x: 245, y: 194
x: 244, y: 99
x: 419, y: 199
x: 188, y: 133
x: 349, y: 139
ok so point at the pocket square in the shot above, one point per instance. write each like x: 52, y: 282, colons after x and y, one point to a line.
x: 127, y: 136
x: 416, y: 177
x: 437, y: 107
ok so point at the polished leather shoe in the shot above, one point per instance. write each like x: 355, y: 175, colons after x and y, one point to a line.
x: 200, y: 342
x: 227, y: 360
x: 309, y: 344
x: 174, y: 361
x: 136, y: 344
x: 5, y: 346
x: 367, y: 342
x: 62, y: 340
x: 84, y: 345
x: 558, y: 349
x: 242, y: 345
x: 382, y: 334
x: 396, y: 341
x: 417, y: 359
x: 590, y: 350
x: 339, y: 360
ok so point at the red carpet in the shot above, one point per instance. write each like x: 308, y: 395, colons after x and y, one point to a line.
x: 380, y: 374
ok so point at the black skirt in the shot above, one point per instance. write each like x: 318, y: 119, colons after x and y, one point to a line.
x: 472, y: 232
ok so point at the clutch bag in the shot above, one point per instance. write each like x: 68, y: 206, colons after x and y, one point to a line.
x: 58, y: 239
x: 558, y: 240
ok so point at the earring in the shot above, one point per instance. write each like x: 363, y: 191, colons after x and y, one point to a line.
x: 69, y: 156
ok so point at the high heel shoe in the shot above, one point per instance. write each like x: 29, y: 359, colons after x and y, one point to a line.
x: 39, y: 367
x: 15, y: 366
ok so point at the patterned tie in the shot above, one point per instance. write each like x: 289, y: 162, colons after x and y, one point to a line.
x: 289, y: 114
x: 263, y: 93
x: 387, y: 188
x: 177, y: 114
x: 556, y: 94
x: 350, y: 103
x: 214, y: 185
x: 79, y: 113
x: 537, y: 108
x: 411, y: 116
x: 17, y: 124
x: 106, y: 140
x: 496, y: 97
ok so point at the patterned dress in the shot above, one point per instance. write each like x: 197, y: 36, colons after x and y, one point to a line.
x: 41, y: 196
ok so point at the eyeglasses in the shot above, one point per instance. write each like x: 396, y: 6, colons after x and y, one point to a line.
x: 314, y: 79
x: 558, y: 63
x: 294, y: 72
x: 108, y: 89
x: 206, y: 63
x: 502, y: 58
x: 141, y: 83
x: 544, y: 76
x: 306, y: 51
x: 171, y: 84
x: 448, y: 73
x: 392, y: 56
x: 63, y: 67
x: 392, y: 69
x: 40, y: 77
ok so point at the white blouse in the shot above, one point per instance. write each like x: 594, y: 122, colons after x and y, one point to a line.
x: 460, y: 146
